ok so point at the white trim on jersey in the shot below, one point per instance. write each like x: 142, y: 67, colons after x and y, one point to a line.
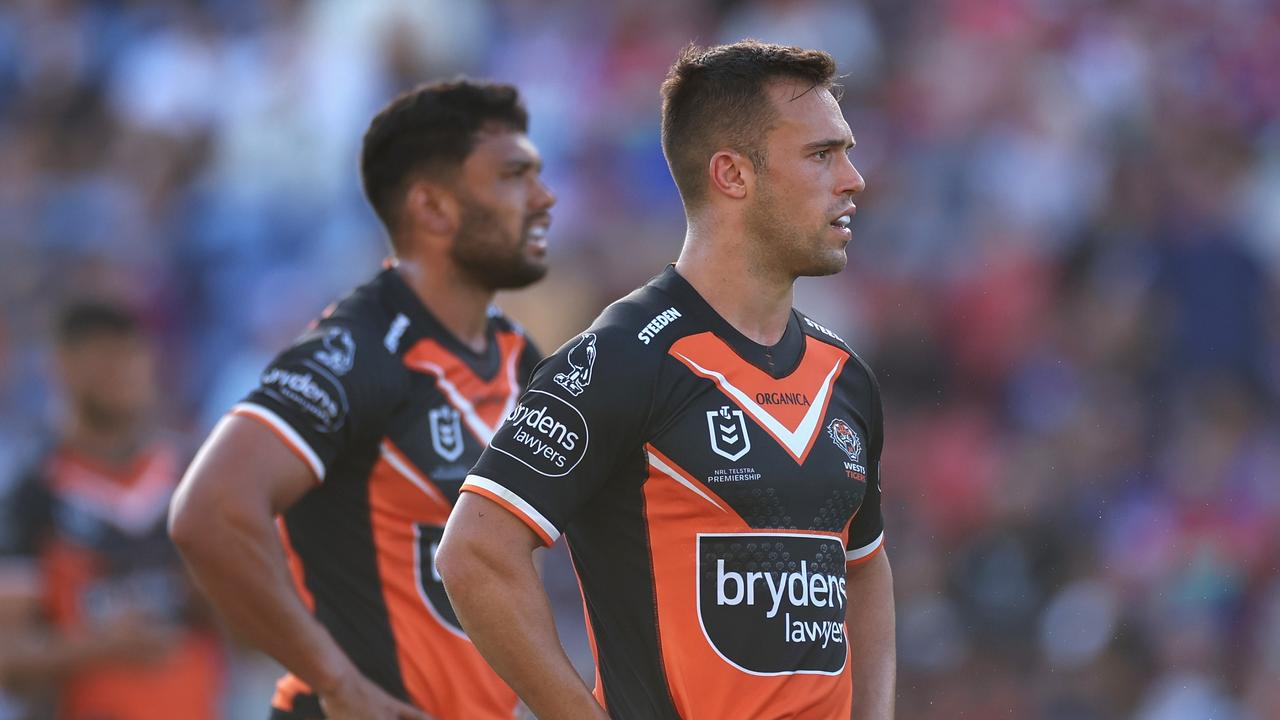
x: 392, y: 456
x: 516, y: 501
x: 795, y: 441
x: 865, y: 550
x: 290, y: 435
x: 670, y: 472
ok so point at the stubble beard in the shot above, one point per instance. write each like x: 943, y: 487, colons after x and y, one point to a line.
x: 488, y: 254
x: 783, y: 246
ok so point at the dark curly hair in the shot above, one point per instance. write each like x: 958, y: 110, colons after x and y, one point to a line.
x: 428, y: 132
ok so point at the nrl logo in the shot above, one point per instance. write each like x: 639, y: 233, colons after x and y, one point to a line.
x: 446, y: 432
x: 582, y: 358
x: 845, y: 438
x: 729, y: 438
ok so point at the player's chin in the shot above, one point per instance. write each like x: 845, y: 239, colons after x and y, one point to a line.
x: 829, y: 262
x: 522, y: 273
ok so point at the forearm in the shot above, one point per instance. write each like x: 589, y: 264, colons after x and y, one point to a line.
x: 506, y: 613
x: 239, y: 564
x: 870, y: 621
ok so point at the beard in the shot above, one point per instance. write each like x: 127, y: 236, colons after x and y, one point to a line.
x: 784, y: 245
x: 489, y: 254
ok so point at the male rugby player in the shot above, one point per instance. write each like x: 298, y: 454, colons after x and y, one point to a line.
x: 710, y: 453
x: 360, y: 434
x: 116, y: 631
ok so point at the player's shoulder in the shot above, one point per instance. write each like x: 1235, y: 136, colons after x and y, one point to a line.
x: 355, y: 340
x: 647, y: 321
x: 814, y: 329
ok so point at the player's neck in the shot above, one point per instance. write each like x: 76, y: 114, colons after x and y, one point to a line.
x: 755, y: 302
x: 110, y: 444
x: 458, y: 304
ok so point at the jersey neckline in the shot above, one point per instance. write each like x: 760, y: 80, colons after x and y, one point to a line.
x: 485, y: 365
x: 778, y: 360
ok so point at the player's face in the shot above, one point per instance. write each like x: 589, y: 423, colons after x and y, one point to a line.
x: 502, y: 237
x: 803, y: 201
x: 109, y: 379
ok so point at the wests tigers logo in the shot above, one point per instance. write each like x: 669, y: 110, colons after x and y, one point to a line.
x: 845, y: 438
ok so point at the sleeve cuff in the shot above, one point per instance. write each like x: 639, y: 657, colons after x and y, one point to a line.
x: 864, y: 553
x: 285, y: 432
x: 514, y: 504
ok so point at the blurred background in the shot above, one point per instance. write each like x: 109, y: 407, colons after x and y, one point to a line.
x: 1065, y: 271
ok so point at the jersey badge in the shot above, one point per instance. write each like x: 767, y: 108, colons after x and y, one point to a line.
x: 728, y: 428
x: 446, y: 432
x: 846, y: 438
x: 339, y: 351
x: 582, y: 358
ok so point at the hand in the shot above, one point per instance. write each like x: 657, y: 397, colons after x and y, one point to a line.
x: 360, y: 699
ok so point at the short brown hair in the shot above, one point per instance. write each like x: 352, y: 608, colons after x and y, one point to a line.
x: 716, y: 97
x: 430, y: 130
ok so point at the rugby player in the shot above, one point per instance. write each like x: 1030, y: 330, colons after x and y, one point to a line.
x: 710, y: 454
x: 116, y: 631
x: 360, y: 434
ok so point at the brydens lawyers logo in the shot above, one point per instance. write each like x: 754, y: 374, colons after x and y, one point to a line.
x: 773, y: 603
x: 582, y: 359
x: 544, y: 433
x: 728, y: 428
x: 446, y: 432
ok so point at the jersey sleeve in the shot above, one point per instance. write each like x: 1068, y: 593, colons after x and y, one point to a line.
x: 866, y: 531
x: 26, y: 519
x: 584, y: 410
x: 334, y: 386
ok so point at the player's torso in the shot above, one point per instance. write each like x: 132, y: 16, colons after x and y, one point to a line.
x: 748, y: 480
x: 362, y: 545
x: 107, y: 560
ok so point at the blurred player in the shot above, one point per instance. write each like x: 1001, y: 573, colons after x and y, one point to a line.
x: 711, y: 454
x: 360, y: 434
x: 116, y: 634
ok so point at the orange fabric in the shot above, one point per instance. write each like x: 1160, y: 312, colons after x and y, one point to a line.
x: 288, y: 688
x: 443, y: 672
x: 186, y: 684
x: 819, y: 367
x: 295, y: 566
x: 491, y: 399
x: 702, y: 684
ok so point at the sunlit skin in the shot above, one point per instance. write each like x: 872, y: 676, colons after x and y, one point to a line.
x: 808, y: 182
x: 761, y: 228
x: 504, y: 212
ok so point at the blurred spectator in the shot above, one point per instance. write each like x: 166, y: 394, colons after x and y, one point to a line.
x: 97, y: 608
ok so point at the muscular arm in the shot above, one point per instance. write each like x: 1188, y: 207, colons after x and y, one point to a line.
x: 870, y: 619
x: 222, y: 521
x: 484, y: 560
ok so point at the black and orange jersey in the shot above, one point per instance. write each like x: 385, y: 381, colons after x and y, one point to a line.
x: 713, y: 492
x: 95, y: 535
x: 389, y: 410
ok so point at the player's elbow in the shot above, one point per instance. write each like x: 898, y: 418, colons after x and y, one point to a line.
x: 461, y: 561
x: 187, y: 526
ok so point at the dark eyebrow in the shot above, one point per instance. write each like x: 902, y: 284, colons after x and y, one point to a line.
x: 831, y: 144
x: 521, y: 165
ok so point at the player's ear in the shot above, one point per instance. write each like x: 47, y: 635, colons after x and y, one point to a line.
x: 731, y: 173
x: 433, y: 207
